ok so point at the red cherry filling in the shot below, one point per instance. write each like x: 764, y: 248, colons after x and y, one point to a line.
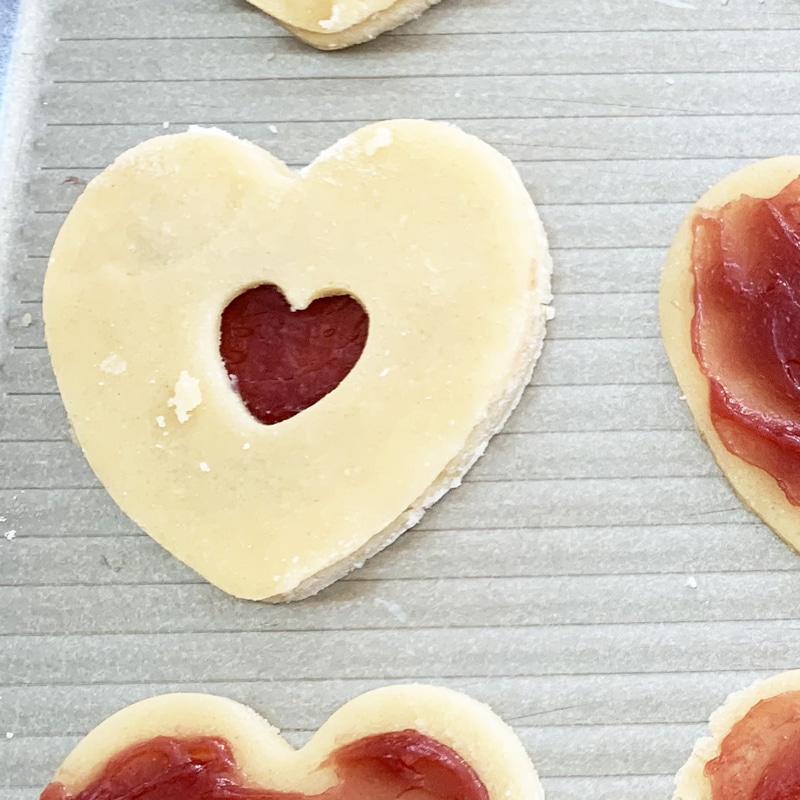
x: 283, y: 361
x: 746, y: 328
x: 380, y: 767
x: 759, y: 759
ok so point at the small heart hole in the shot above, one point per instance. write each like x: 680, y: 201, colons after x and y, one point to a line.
x: 282, y: 361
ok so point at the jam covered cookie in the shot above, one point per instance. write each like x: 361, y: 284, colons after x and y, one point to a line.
x: 754, y: 750
x: 417, y: 742
x: 730, y: 317
x: 275, y: 373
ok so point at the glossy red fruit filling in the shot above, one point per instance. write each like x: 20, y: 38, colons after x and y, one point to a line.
x: 746, y: 328
x: 385, y: 766
x: 760, y: 757
x: 283, y: 361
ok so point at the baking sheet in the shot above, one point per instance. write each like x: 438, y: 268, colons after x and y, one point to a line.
x: 594, y: 579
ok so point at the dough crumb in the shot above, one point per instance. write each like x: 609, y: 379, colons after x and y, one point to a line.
x: 113, y: 364
x: 382, y: 138
x: 187, y: 396
x: 691, y: 582
x: 10, y: 535
x: 246, y: 446
x: 272, y: 128
x: 25, y: 321
x: 334, y: 19
x: 204, y: 467
x: 9, y: 735
x: 160, y: 421
x: 395, y: 609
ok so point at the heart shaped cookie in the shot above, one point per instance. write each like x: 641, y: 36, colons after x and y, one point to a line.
x: 334, y: 24
x: 430, y: 231
x: 423, y: 742
x: 730, y: 316
x: 752, y: 753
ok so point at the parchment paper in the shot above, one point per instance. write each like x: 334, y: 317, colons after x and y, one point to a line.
x: 594, y: 579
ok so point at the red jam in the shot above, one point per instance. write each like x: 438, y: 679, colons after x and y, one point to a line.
x: 380, y: 767
x: 760, y: 757
x: 746, y: 328
x: 283, y: 361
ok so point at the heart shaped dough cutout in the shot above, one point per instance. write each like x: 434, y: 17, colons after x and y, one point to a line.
x: 430, y: 229
x: 334, y: 24
x: 490, y: 749
x: 752, y: 750
x: 758, y: 489
x: 282, y: 360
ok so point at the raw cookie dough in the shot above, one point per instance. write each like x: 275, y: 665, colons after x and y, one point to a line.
x: 756, y: 488
x: 430, y: 229
x: 265, y: 759
x: 692, y: 782
x: 334, y: 24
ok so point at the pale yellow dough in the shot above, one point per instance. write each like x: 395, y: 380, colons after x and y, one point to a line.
x: 334, y: 24
x: 691, y: 782
x: 430, y: 229
x: 756, y: 488
x: 470, y: 728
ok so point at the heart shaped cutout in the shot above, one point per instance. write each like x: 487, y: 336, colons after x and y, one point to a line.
x: 334, y: 24
x: 430, y: 231
x: 422, y: 742
x: 281, y: 360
